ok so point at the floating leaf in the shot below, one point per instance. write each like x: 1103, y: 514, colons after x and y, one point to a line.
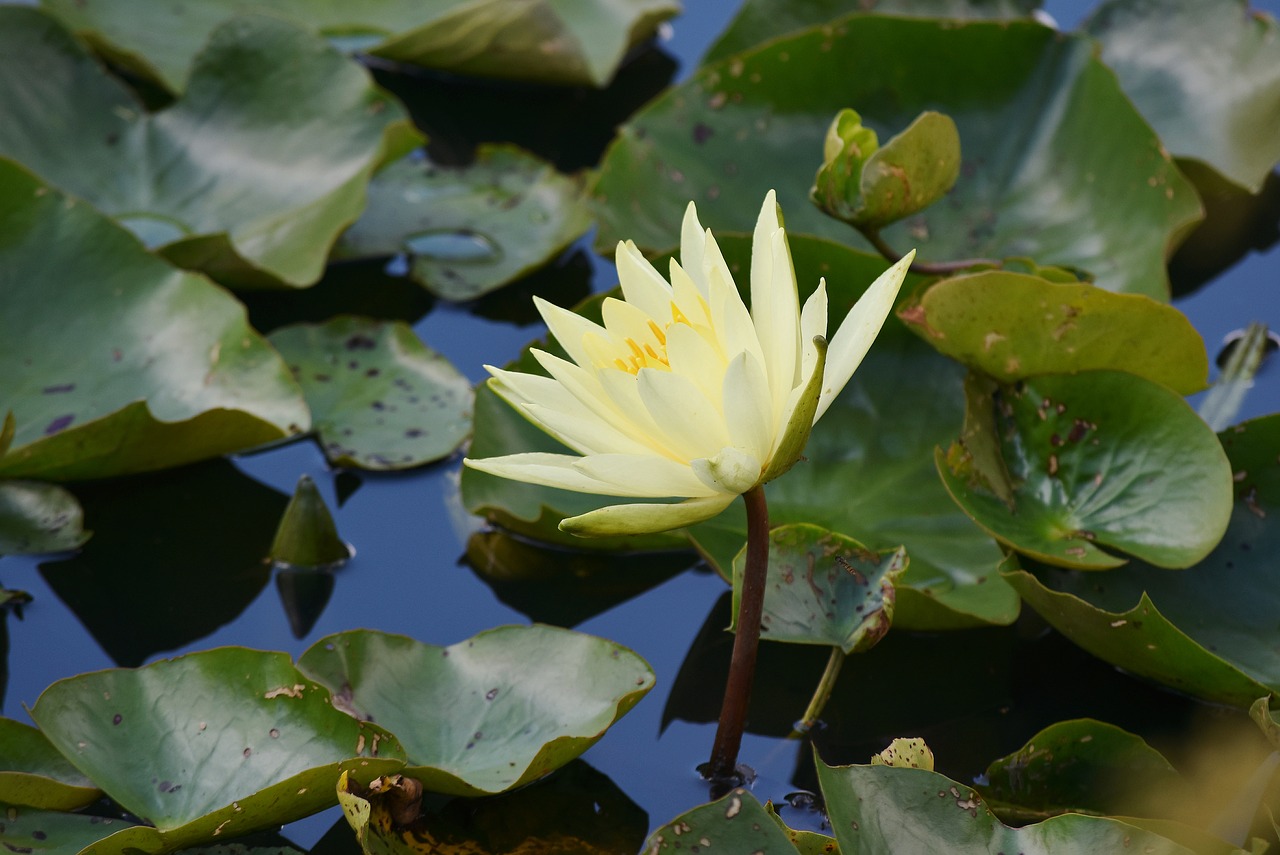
x: 1081, y: 766
x: 887, y: 809
x: 380, y: 398
x: 869, y: 186
x: 249, y: 177
x: 33, y: 773
x: 171, y: 520
x: 307, y: 536
x: 734, y: 823
x: 1058, y: 165
x: 212, y: 744
x: 824, y: 588
x: 36, y: 517
x: 511, y: 704
x: 905, y: 753
x: 761, y: 20
x: 549, y: 41
x: 1206, y: 631
x: 1203, y: 73
x: 153, y: 368
x: 1011, y: 326
x: 1104, y: 458
x: 469, y: 230
x: 42, y: 832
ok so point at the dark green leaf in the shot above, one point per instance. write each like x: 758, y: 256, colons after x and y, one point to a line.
x: 468, y: 230
x: 249, y: 177
x: 212, y: 744
x: 33, y: 773
x: 509, y: 705
x: 307, y: 536
x: 36, y: 517
x: 379, y: 397
x: 41, y: 832
x: 153, y: 368
x: 1099, y: 458
x: 1058, y: 165
x: 735, y: 823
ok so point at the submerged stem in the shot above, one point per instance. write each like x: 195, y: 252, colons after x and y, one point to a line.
x: 924, y: 268
x: 821, y: 695
x: 746, y: 641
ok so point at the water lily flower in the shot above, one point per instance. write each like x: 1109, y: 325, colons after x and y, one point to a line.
x: 684, y: 393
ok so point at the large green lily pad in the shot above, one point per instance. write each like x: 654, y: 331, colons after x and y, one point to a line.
x: 824, y: 588
x: 1096, y: 458
x: 1209, y: 630
x: 883, y: 809
x: 1011, y: 326
x: 1203, y: 73
x: 736, y: 822
x: 249, y: 177
x: 761, y: 20
x: 37, y: 517
x: 379, y: 397
x: 209, y: 745
x: 153, y: 368
x: 1057, y: 165
x: 506, y: 707
x: 46, y: 832
x: 33, y: 773
x: 470, y: 229
x: 548, y: 41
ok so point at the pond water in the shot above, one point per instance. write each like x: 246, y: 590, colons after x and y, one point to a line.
x: 157, y: 583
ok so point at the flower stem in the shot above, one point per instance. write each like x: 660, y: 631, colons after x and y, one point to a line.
x: 923, y: 267
x: 746, y: 641
x: 821, y: 695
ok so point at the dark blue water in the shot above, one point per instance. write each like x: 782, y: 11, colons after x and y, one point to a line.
x: 407, y: 577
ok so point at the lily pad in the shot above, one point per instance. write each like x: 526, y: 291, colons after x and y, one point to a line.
x: 886, y: 809
x: 760, y: 20
x: 824, y: 588
x: 212, y: 744
x: 36, y: 517
x: 380, y: 398
x: 1081, y: 766
x: 1207, y: 631
x: 1011, y: 326
x: 734, y: 823
x: 33, y: 773
x: 1203, y: 73
x: 1098, y: 458
x: 550, y: 41
x: 1057, y: 163
x: 153, y: 369
x: 249, y: 177
x: 510, y: 704
x: 469, y: 230
x: 46, y: 832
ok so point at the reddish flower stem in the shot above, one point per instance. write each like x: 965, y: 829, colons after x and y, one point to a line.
x: 746, y: 641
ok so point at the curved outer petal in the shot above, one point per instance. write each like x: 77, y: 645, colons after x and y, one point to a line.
x: 859, y: 329
x: 800, y: 421
x: 549, y: 470
x: 646, y: 518
x: 642, y: 286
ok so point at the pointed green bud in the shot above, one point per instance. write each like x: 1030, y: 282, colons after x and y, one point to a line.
x: 307, y: 536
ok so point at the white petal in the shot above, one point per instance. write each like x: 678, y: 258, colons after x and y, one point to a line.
x: 731, y: 320
x: 813, y: 322
x: 568, y: 328
x: 549, y: 470
x: 690, y: 424
x: 646, y: 518
x: 729, y: 471
x: 691, y: 247
x: 626, y: 321
x: 691, y: 302
x: 693, y: 357
x: 642, y: 286
x: 859, y: 329
x: 746, y: 407
x: 624, y: 392
x: 644, y: 475
x: 782, y: 345
x: 582, y: 430
x: 761, y: 243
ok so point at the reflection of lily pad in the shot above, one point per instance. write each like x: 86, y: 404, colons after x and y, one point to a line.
x: 379, y: 398
x: 1203, y: 73
x: 469, y: 230
x: 886, y: 809
x: 824, y: 588
x: 494, y: 723
x: 249, y: 177
x: 1209, y: 630
x: 152, y: 369
x: 36, y: 517
x: 33, y: 773
x: 1057, y: 164
x: 1098, y: 458
x: 1010, y: 326
x: 550, y: 41
x: 211, y: 744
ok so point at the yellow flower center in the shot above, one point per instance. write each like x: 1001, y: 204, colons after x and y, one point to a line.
x: 650, y: 354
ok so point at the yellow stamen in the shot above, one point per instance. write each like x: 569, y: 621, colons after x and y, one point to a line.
x: 659, y: 333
